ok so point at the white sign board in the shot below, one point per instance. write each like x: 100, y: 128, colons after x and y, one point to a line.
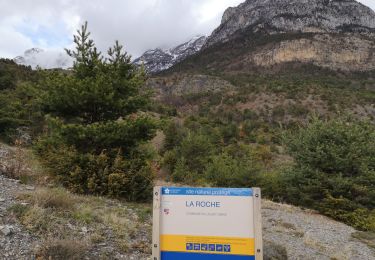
x: 207, y: 223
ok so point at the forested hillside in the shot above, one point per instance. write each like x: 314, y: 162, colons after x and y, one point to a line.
x: 288, y: 109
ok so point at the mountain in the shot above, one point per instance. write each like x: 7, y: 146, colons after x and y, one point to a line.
x: 281, y: 59
x: 335, y: 34
x: 280, y: 16
x: 157, y: 60
x: 36, y: 57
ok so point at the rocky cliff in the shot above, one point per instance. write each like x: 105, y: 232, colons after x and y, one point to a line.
x: 282, y: 16
x: 345, y: 52
x: 258, y: 34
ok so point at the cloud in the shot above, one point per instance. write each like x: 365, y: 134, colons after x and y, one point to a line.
x: 148, y: 24
x: 12, y: 42
x: 139, y: 25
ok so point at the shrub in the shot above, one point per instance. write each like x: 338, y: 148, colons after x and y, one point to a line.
x: 335, y: 170
x: 335, y: 147
x: 227, y: 171
x: 57, y: 199
x: 196, y: 149
x: 109, y: 173
x: 61, y: 250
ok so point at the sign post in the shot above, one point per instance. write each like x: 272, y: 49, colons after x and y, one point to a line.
x: 207, y: 223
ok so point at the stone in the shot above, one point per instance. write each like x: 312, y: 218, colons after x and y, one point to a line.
x: 30, y: 188
x: 6, y: 230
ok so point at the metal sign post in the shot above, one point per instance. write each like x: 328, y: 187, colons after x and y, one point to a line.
x: 207, y: 223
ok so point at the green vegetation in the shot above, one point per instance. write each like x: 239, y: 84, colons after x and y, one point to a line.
x: 283, y: 130
x: 90, y: 124
x: 94, y: 128
x: 18, y: 99
x: 11, y: 74
x: 334, y: 170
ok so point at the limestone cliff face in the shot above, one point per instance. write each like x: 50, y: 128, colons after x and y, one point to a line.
x: 348, y: 52
x: 336, y: 34
x: 281, y: 16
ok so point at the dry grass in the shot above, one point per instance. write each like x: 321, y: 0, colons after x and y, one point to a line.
x: 56, y: 198
x: 365, y: 237
x: 61, y: 250
x: 58, y: 216
x: 20, y: 163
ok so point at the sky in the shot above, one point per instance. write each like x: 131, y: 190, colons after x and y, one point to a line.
x: 138, y: 24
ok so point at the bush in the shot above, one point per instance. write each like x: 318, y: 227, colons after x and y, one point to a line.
x: 19, y: 108
x: 196, y: 149
x: 109, y: 173
x: 228, y: 171
x: 61, y: 250
x: 188, y: 161
x: 334, y: 171
x: 335, y: 147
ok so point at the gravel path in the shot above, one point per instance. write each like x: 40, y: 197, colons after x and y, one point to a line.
x: 15, y: 241
x: 308, y: 235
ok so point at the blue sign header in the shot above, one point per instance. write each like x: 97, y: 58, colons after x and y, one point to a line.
x: 242, y: 192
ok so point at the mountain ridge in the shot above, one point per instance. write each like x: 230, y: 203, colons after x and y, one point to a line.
x: 257, y: 35
x: 279, y: 16
x: 157, y: 60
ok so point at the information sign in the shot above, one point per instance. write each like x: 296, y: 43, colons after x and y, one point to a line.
x: 207, y: 223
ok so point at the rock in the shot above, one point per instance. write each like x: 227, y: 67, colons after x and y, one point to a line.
x: 84, y: 229
x: 70, y: 226
x: 280, y: 16
x: 273, y: 251
x: 2, y: 199
x: 6, y: 230
x: 30, y: 188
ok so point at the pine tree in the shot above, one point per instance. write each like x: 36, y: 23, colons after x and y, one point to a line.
x: 95, y: 109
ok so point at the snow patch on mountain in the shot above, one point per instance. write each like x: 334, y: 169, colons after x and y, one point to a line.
x: 157, y: 60
x: 48, y: 59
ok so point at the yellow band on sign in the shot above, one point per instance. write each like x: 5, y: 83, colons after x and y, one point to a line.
x: 178, y: 243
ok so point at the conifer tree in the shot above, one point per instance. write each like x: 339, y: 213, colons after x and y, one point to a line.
x: 94, y: 109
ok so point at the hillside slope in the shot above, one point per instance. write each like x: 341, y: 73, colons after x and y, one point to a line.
x: 288, y: 232
x: 268, y: 47
x: 30, y: 215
